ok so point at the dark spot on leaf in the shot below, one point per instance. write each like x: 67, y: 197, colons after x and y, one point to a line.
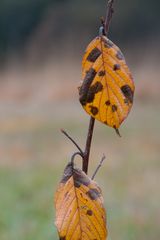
x: 126, y: 101
x: 116, y: 67
x: 114, y: 108
x: 68, y: 171
x: 107, y: 102
x: 102, y: 73
x: 108, y: 43
x: 62, y: 238
x: 89, y: 212
x: 93, y: 55
x: 94, y: 110
x: 97, y: 87
x: 127, y: 92
x: 93, y: 194
x: 80, y: 178
x: 83, y: 92
x: 90, y: 97
x: 119, y: 55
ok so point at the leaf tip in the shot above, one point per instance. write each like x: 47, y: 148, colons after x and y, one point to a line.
x: 117, y: 131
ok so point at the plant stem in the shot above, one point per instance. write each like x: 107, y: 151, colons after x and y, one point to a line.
x: 73, y: 156
x: 98, y: 167
x: 88, y: 145
x: 73, y: 141
x: 108, y: 16
x: 92, y: 120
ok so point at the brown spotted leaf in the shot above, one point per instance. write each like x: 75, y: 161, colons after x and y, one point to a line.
x: 107, y: 88
x: 80, y: 214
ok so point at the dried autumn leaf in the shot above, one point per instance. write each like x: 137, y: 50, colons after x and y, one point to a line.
x: 107, y: 89
x: 80, y: 214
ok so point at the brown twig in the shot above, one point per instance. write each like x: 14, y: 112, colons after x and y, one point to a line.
x: 98, y: 167
x: 88, y: 145
x: 70, y: 138
x: 92, y: 120
x: 74, y: 155
x: 108, y: 16
x: 86, y: 153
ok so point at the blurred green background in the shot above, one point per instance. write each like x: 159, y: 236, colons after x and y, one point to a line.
x: 41, y: 47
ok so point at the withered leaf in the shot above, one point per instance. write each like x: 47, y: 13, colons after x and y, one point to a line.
x: 107, y: 89
x: 80, y: 214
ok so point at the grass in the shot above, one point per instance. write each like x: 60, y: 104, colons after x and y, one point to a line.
x: 27, y: 203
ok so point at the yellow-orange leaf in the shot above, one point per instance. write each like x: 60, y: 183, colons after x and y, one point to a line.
x: 80, y: 214
x: 107, y: 89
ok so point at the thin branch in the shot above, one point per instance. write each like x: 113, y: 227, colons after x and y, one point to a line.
x: 70, y: 138
x: 73, y: 156
x: 92, y: 120
x: 98, y: 167
x: 88, y: 145
x: 108, y: 16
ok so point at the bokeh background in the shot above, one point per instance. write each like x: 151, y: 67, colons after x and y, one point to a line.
x: 41, y: 47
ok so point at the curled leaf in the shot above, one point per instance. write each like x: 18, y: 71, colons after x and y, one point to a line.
x: 107, y: 88
x: 80, y: 214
